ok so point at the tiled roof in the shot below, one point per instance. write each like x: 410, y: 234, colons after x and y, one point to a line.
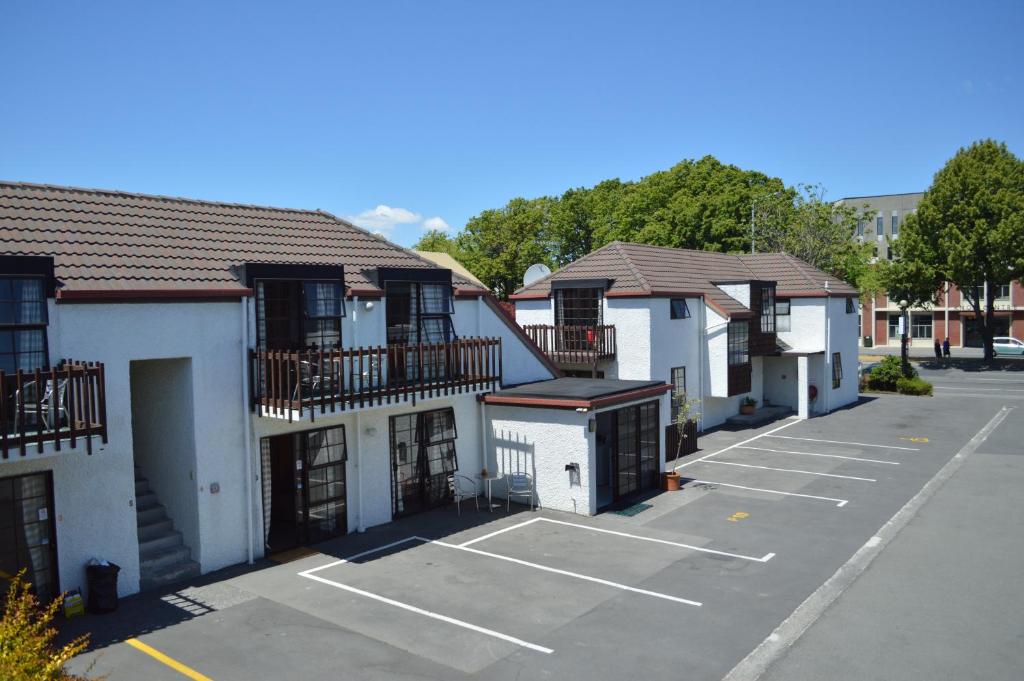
x: 643, y: 270
x: 115, y: 241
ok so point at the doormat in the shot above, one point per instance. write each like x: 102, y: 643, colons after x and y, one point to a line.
x: 631, y: 511
x: 291, y: 555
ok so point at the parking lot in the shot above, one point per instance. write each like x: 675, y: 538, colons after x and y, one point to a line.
x: 689, y: 586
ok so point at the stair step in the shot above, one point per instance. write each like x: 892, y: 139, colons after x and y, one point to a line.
x: 168, y: 540
x: 146, y: 501
x: 141, y: 486
x: 150, y: 515
x: 156, y: 560
x: 170, y: 574
x: 154, y: 529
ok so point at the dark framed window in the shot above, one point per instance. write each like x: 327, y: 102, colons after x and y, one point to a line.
x: 292, y: 314
x: 679, y: 308
x: 578, y: 306
x: 782, y: 318
x: 419, y: 312
x: 837, y: 370
x: 422, y: 457
x: 678, y: 381
x: 23, y: 320
x: 850, y: 307
x: 767, y: 309
x: 880, y: 225
x: 28, y: 537
x: 739, y: 342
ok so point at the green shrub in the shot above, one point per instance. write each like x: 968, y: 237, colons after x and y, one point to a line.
x: 914, y: 386
x: 27, y: 650
x: 888, y: 373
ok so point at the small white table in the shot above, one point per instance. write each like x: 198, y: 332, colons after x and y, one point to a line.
x: 488, y: 481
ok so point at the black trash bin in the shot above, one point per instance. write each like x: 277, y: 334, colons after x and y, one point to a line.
x: 102, y: 581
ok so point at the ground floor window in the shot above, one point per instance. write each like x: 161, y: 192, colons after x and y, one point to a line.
x: 894, y: 324
x: 921, y: 326
x: 973, y: 337
x: 422, y: 457
x: 304, y: 497
x: 28, y: 539
x: 837, y: 370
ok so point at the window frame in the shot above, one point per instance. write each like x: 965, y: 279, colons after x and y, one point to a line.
x: 15, y: 327
x: 574, y: 300
x: 787, y: 315
x: 674, y: 373
x: 675, y: 312
x: 298, y: 288
x: 420, y: 314
x: 850, y: 307
x: 737, y: 343
x: 880, y: 225
x: 837, y: 370
x: 768, y: 302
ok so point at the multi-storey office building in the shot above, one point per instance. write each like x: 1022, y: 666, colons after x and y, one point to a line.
x: 952, y: 316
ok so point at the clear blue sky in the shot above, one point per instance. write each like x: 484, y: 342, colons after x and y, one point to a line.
x: 443, y: 109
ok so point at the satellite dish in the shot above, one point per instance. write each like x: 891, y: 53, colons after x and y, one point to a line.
x: 535, y: 272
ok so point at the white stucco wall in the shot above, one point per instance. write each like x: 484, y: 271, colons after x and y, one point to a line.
x: 807, y: 325
x: 473, y: 317
x: 717, y: 366
x: 844, y: 330
x: 633, y: 338
x: 717, y: 409
x: 94, y: 497
x: 542, y: 442
x: 540, y: 311
x: 739, y: 292
x: 781, y: 381
x: 675, y: 343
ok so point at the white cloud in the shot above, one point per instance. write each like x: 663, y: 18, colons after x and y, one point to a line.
x: 384, y: 218
x: 436, y: 223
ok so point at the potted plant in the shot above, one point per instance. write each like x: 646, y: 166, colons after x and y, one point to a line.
x: 748, y: 405
x: 684, y: 413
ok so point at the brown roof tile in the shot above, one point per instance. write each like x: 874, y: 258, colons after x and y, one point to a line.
x: 641, y: 269
x: 116, y: 241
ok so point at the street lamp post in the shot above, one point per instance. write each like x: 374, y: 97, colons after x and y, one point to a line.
x: 903, y: 339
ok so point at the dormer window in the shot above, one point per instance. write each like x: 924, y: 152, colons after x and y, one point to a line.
x: 419, y: 305
x: 578, y: 306
x: 298, y: 307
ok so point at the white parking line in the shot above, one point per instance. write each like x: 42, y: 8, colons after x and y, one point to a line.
x: 378, y: 549
x: 791, y: 470
x: 502, y: 531
x: 828, y: 456
x: 708, y: 456
x: 840, y: 502
x: 763, y: 559
x: 567, y: 573
x: 430, y: 614
x: 840, y: 442
x: 981, y: 390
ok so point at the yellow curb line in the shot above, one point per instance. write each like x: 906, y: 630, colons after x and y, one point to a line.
x: 170, y: 662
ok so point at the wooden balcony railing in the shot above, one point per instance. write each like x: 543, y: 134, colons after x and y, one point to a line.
x: 65, y: 402
x: 573, y: 344
x: 287, y: 383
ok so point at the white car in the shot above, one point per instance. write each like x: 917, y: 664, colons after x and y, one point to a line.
x: 1004, y: 345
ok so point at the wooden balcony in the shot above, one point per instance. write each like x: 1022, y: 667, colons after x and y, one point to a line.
x: 573, y: 345
x: 297, y: 383
x: 57, y: 404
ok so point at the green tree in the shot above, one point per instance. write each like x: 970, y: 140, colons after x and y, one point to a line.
x: 968, y: 229
x: 436, y: 240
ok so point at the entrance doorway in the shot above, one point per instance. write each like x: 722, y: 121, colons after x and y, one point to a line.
x: 28, y: 538
x: 627, y: 448
x: 304, y: 499
x: 422, y: 458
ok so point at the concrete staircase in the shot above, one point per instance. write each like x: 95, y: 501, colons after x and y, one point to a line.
x: 163, y: 556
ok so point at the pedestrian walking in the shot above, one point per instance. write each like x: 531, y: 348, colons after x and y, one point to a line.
x: 938, y: 349
x: 945, y: 347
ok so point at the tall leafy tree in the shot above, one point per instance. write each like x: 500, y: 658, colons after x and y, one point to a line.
x: 436, y: 240
x: 968, y: 229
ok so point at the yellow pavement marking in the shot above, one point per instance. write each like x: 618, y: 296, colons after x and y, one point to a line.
x: 915, y: 439
x: 737, y: 516
x: 170, y: 662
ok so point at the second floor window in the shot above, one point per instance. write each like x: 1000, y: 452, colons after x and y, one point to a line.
x: 895, y: 224
x: 23, y: 322
x: 678, y: 389
x: 578, y: 306
x: 782, y: 318
x: 419, y: 313
x: 850, y: 307
x: 299, y: 314
x: 1001, y: 291
x: 679, y: 308
x: 767, y: 309
x: 880, y: 225
x: 739, y: 342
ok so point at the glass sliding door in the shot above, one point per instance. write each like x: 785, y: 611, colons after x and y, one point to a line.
x: 422, y: 458
x: 27, y: 534
x: 636, y: 454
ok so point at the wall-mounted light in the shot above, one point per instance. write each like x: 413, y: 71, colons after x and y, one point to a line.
x: 368, y: 305
x: 370, y: 431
